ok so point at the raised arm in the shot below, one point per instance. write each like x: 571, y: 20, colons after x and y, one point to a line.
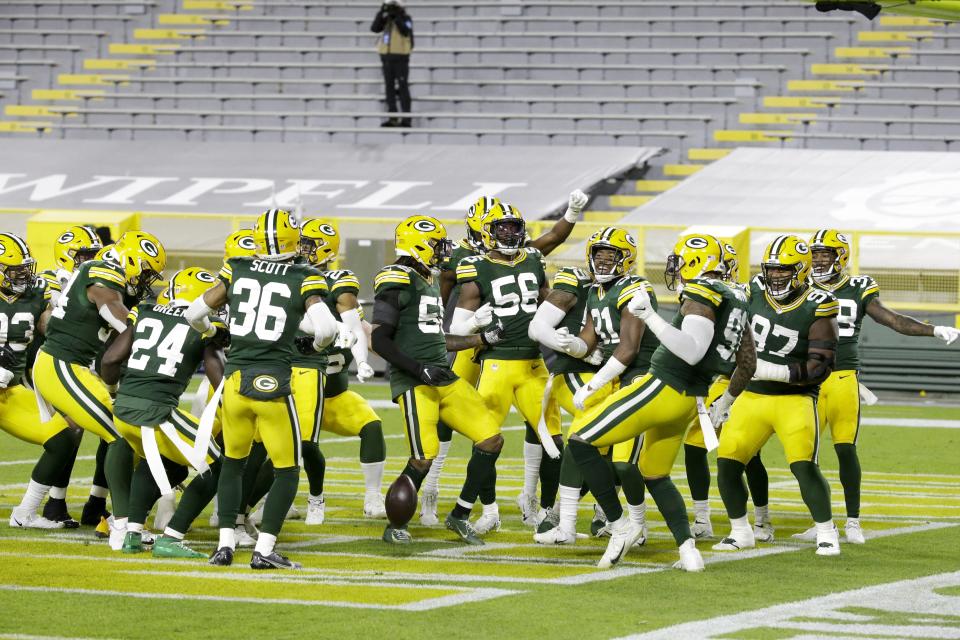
x: 908, y: 326
x: 561, y: 230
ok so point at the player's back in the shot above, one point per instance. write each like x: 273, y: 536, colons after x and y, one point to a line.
x: 20, y: 318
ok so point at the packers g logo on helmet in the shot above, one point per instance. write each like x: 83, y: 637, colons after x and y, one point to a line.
x: 839, y: 244
x: 790, y: 254
x: 265, y: 383
x: 692, y: 257
x: 503, y: 229
x: 424, y: 239
x: 186, y: 286
x: 239, y: 244
x: 276, y: 235
x: 319, y: 241
x: 142, y: 258
x: 731, y: 262
x: 18, y: 269
x: 624, y: 249
x: 75, y: 246
x: 474, y: 220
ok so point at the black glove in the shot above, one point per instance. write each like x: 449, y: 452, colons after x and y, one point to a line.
x: 305, y: 345
x: 436, y: 376
x: 492, y: 333
x: 8, y: 359
x: 221, y: 339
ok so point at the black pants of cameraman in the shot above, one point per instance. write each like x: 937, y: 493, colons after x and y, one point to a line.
x: 396, y: 73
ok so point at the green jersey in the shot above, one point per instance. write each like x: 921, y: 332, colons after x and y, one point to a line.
x: 266, y: 306
x: 780, y: 331
x: 164, y: 355
x: 605, y: 304
x: 513, y: 290
x: 854, y: 295
x: 462, y: 250
x: 338, y: 360
x: 420, y: 325
x: 575, y: 281
x: 729, y: 305
x: 76, y: 330
x: 19, y: 318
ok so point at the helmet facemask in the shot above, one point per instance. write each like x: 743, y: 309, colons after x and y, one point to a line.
x: 821, y: 273
x: 19, y: 278
x: 82, y: 255
x: 606, y: 262
x: 508, y: 235
x: 141, y: 285
x: 307, y: 248
x: 442, y: 249
x: 780, y: 286
x: 671, y: 273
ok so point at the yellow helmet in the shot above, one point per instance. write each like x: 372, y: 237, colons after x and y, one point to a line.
x: 18, y: 269
x: 731, y: 262
x: 319, y: 241
x: 475, y: 215
x: 693, y: 256
x: 107, y: 253
x: 276, y: 235
x: 75, y: 246
x: 830, y: 240
x: 424, y: 239
x: 621, y: 243
x: 503, y: 229
x: 790, y: 253
x: 142, y: 258
x: 239, y: 244
x: 187, y: 285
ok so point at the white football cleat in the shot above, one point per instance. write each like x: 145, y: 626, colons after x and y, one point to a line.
x: 428, y: 509
x: 763, y: 532
x: 529, y: 509
x: 807, y: 536
x: 166, y: 507
x: 243, y: 538
x: 489, y: 521
x: 828, y: 544
x: 373, y: 507
x: 24, y: 519
x: 316, y: 510
x: 690, y: 558
x: 147, y: 537
x: 736, y: 541
x: 701, y: 529
x: 292, y: 513
x: 555, y: 536
x: 642, y: 540
x: 853, y: 532
x: 117, y: 534
x: 624, y: 533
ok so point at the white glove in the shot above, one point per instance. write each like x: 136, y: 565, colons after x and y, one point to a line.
x: 640, y: 305
x: 578, y: 200
x: 571, y: 344
x: 720, y: 410
x: 595, y: 358
x: 364, y: 371
x: 947, y: 334
x: 482, y: 316
x: 5, y: 377
x: 345, y: 337
x: 580, y: 397
x: 867, y: 397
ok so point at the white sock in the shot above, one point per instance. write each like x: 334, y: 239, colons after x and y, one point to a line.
x: 241, y: 519
x: 638, y: 513
x: 701, y: 510
x: 120, y: 523
x: 853, y: 520
x: 569, y: 500
x: 532, y: 454
x: 33, y: 496
x: 58, y: 493
x: 372, y: 477
x: 227, y: 538
x: 432, y: 482
x: 316, y: 498
x: 491, y: 509
x: 825, y: 527
x: 739, y: 524
x: 98, y: 492
x: 135, y: 527
x: 761, y: 515
x: 172, y: 533
x: 265, y: 544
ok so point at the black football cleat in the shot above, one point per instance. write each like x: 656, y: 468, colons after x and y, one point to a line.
x: 94, y: 509
x: 272, y: 561
x: 56, y: 510
x: 222, y: 557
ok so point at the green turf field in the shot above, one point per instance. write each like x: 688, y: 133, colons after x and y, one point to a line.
x: 67, y: 584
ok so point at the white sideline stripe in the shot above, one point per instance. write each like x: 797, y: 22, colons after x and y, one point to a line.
x: 474, y: 595
x: 32, y: 461
x: 916, y: 423
x: 293, y: 578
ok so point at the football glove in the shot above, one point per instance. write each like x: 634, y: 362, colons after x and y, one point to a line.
x: 640, y: 304
x: 346, y: 338
x: 581, y: 396
x: 436, y: 376
x: 493, y: 333
x: 5, y: 377
x: 595, y: 358
x: 364, y: 371
x: 571, y: 344
x: 720, y: 410
x: 577, y: 201
x: 220, y: 340
x: 947, y: 334
x: 483, y: 316
x: 304, y: 345
x: 8, y: 358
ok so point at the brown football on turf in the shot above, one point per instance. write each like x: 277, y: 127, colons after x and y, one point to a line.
x: 401, y: 501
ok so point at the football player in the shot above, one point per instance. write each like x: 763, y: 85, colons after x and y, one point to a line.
x: 268, y: 295
x: 626, y: 350
x: 467, y: 363
x: 342, y: 411
x: 695, y: 449
x: 794, y: 328
x: 408, y: 333
x: 706, y: 334
x: 24, y: 302
x: 161, y: 354
x: 839, y: 402
x: 93, y: 306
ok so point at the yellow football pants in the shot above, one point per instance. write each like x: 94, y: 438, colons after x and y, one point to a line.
x: 839, y: 406
x: 276, y: 421
x: 755, y: 417
x: 457, y: 404
x: 695, y: 434
x: 346, y: 413
x: 465, y: 366
x: 20, y: 417
x: 520, y: 383
x: 76, y: 393
x: 185, y: 424
x: 307, y: 387
x: 648, y: 407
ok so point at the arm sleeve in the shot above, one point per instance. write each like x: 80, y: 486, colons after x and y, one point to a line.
x: 352, y: 319
x: 197, y: 316
x: 610, y: 370
x: 690, y: 342
x: 324, y: 324
x: 462, y: 323
x: 545, y: 320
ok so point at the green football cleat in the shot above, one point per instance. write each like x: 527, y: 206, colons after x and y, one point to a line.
x: 167, y: 547
x: 393, y: 535
x: 132, y: 543
x: 464, y: 529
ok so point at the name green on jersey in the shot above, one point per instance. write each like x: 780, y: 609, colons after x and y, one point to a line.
x: 19, y: 317
x: 605, y: 303
x: 854, y: 294
x: 577, y: 282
